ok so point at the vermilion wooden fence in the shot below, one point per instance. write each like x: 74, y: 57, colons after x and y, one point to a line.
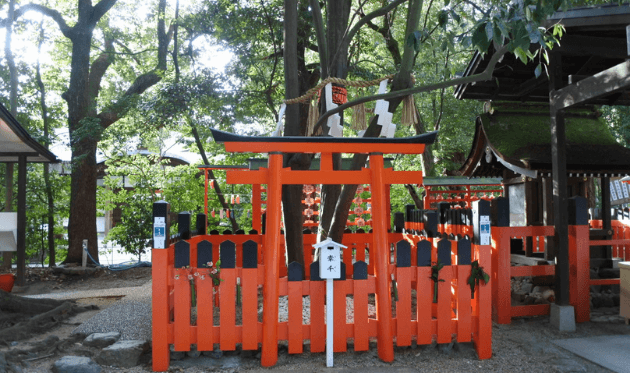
x: 579, y: 262
x: 416, y: 316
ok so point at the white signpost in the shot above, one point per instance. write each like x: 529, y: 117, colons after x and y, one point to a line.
x: 159, y: 233
x: 484, y: 224
x: 329, y: 269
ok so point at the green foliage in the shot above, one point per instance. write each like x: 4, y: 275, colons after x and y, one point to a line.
x: 152, y: 179
x: 435, y: 276
x: 476, y: 274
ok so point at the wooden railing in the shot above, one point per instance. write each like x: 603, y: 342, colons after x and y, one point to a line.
x: 228, y: 313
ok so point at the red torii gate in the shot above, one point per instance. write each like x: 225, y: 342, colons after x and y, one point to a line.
x: 275, y: 175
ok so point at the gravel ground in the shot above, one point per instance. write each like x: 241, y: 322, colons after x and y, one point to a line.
x: 524, y: 346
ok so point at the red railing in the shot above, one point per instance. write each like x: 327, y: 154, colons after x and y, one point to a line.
x: 416, y: 316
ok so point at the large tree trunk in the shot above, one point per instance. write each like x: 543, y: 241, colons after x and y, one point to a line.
x: 402, y: 80
x: 337, y: 16
x: 82, y: 224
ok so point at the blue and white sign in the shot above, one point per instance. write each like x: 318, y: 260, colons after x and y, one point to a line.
x: 159, y: 233
x: 484, y: 230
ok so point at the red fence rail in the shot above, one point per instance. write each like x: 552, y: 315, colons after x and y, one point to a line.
x: 416, y: 316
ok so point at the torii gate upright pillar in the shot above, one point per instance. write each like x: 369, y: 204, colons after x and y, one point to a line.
x: 381, y: 259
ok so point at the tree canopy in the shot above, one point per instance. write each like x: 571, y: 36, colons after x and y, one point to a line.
x: 118, y: 72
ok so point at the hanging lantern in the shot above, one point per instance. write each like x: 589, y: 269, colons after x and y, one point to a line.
x: 227, y: 213
x: 232, y: 199
x: 238, y: 200
x: 213, y: 213
x: 211, y: 183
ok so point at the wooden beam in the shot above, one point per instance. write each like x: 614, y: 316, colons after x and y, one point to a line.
x: 21, y: 222
x: 601, y: 84
x: 559, y: 167
x: 579, y: 45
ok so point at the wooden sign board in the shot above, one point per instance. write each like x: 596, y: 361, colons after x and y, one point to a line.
x: 619, y: 192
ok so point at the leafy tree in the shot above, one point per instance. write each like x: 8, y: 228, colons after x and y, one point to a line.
x: 152, y: 179
x: 87, y: 115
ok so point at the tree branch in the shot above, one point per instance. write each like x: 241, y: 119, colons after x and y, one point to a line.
x: 55, y: 15
x: 99, y: 67
x: 100, y: 9
x: 318, y: 22
x: 485, y: 75
x: 350, y: 34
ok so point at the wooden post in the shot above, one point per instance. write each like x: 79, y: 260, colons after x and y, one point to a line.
x: 21, y: 222
x: 500, y: 278
x: 579, y: 258
x: 272, y: 269
x: 256, y: 208
x: 160, y: 293
x: 381, y: 260
x: 559, y: 167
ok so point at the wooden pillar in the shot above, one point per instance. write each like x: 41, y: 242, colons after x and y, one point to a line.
x: 606, y: 217
x: 381, y: 260
x: 272, y: 269
x: 559, y: 177
x: 256, y: 208
x: 21, y: 221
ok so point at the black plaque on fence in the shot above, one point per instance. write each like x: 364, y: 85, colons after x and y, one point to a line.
x: 201, y: 223
x: 444, y: 251
x: 430, y: 222
x: 463, y: 252
x: 403, y: 254
x: 182, y: 254
x: 360, y: 271
x: 204, y: 253
x: 227, y: 254
x: 294, y: 271
x: 409, y: 212
x: 500, y: 209
x: 315, y: 271
x: 424, y: 253
x: 250, y: 254
x: 399, y: 222
x: 183, y: 225
x: 442, y: 209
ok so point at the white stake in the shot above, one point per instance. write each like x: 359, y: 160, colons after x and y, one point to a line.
x: 329, y: 322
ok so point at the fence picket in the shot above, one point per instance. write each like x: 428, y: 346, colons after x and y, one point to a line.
x: 182, y: 311
x: 444, y: 306
x: 249, y: 295
x: 295, y: 307
x: 339, y: 320
x: 464, y: 322
x: 318, y: 300
x: 403, y: 285
x: 361, y: 332
x: 204, y: 311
